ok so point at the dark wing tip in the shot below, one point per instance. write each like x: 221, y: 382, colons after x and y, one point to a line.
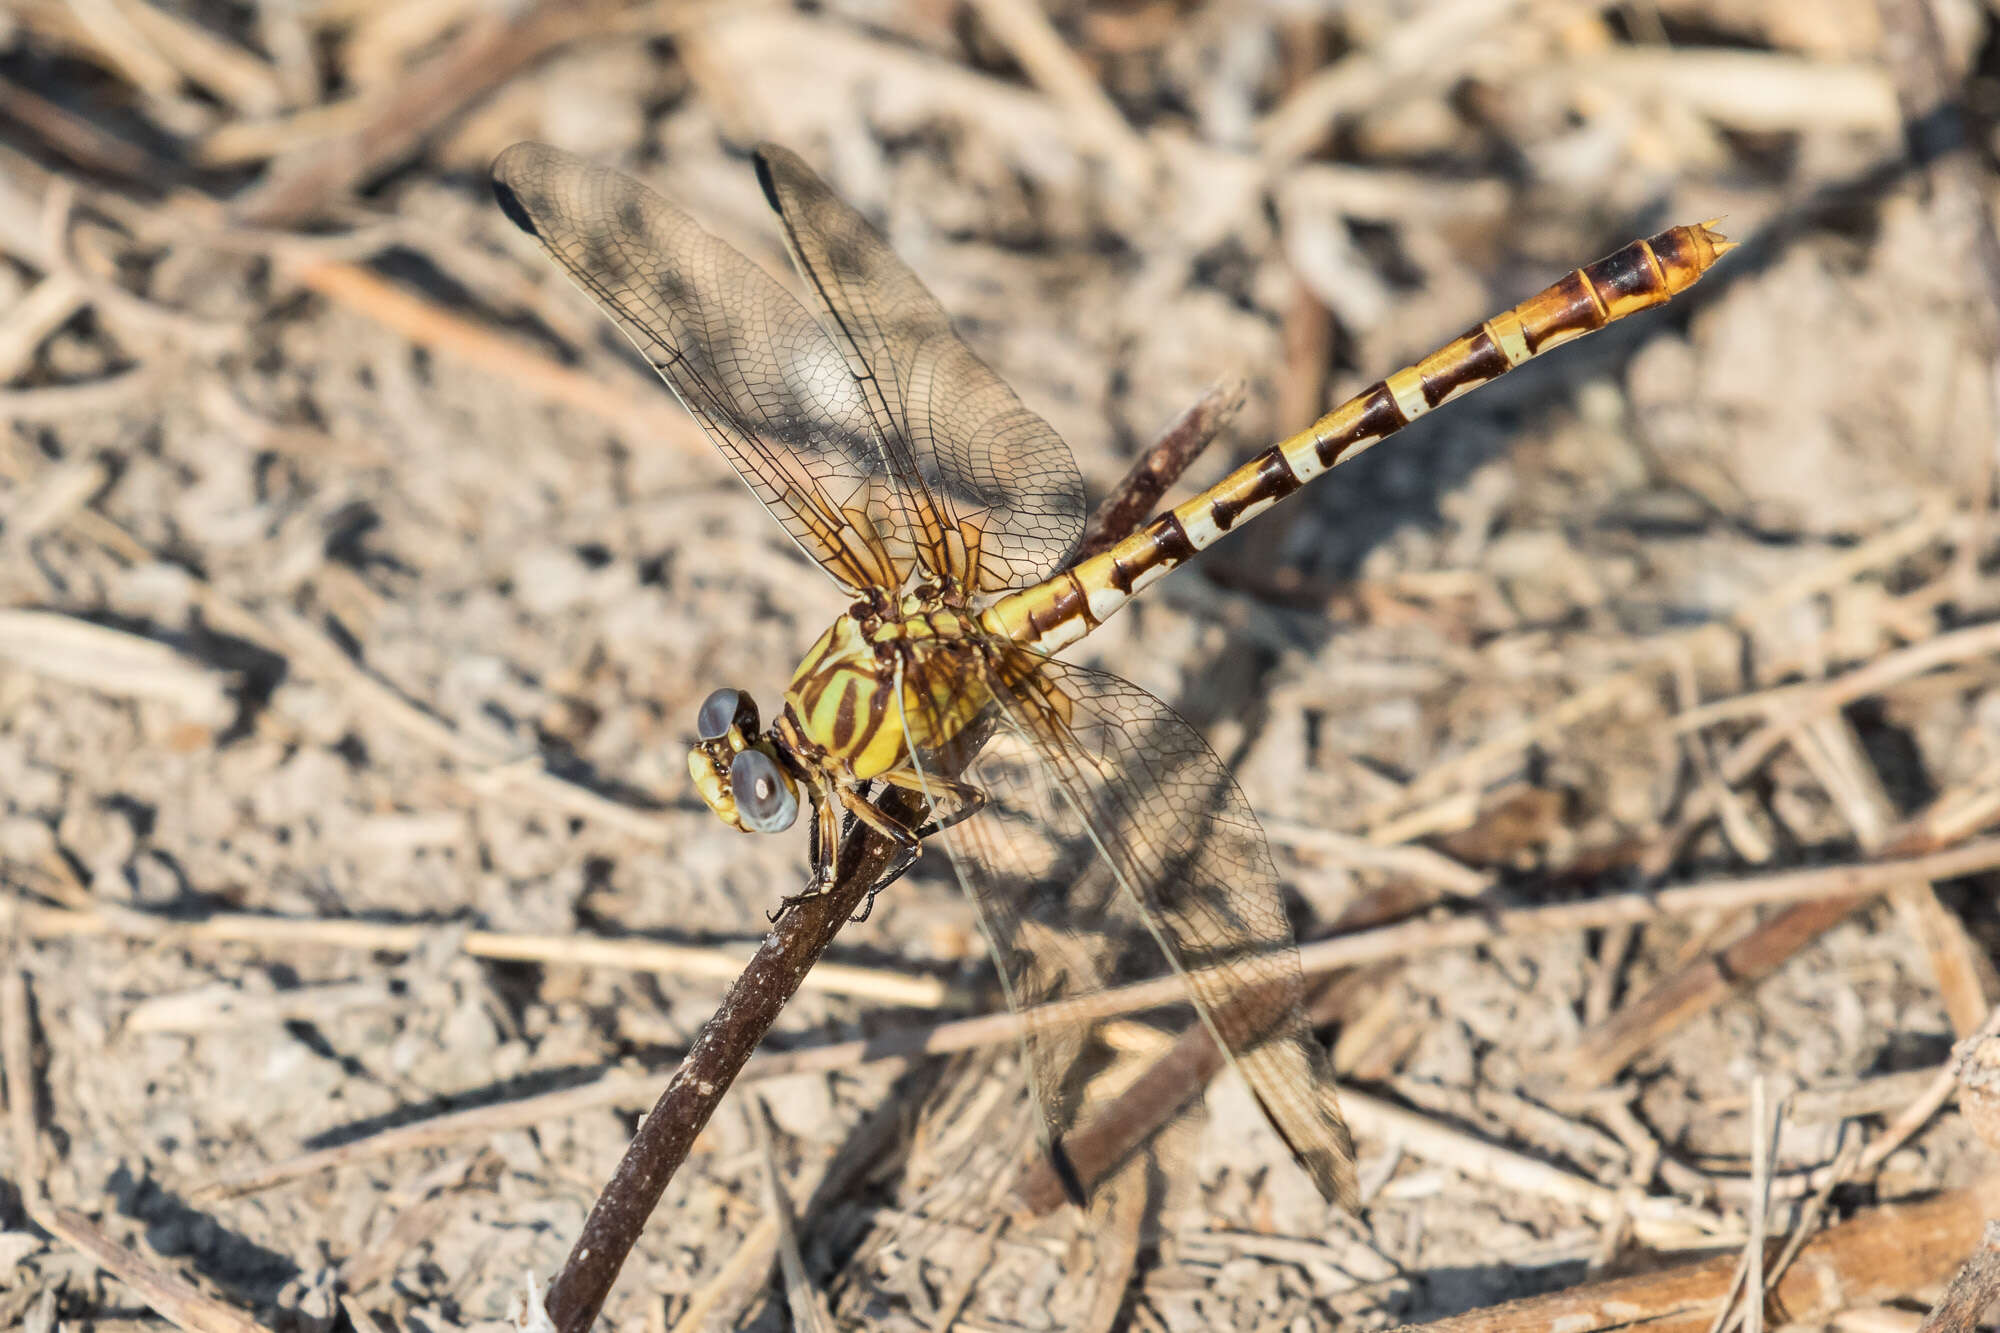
x: 507, y: 168
x: 510, y: 204
x: 1066, y: 1173
x: 766, y: 179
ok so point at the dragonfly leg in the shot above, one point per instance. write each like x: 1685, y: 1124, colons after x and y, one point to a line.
x: 822, y: 838
x: 909, y: 844
x: 900, y: 867
x: 965, y: 799
x: 825, y: 841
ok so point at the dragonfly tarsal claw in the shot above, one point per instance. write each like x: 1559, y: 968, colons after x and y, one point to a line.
x: 896, y: 871
x: 867, y: 907
x: 817, y: 889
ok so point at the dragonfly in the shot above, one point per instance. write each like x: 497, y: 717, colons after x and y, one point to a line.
x: 1100, y: 837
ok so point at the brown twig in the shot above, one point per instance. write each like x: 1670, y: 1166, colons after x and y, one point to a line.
x: 1132, y: 501
x: 1885, y: 1253
x: 725, y: 1042
x: 491, y: 50
x: 754, y: 1000
x: 33, y: 921
x: 1972, y: 1293
x: 1760, y: 951
x: 1703, y: 984
x: 503, y: 355
x: 1404, y: 939
x: 1178, y: 1075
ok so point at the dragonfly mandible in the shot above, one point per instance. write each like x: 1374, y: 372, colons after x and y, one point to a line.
x: 1100, y: 837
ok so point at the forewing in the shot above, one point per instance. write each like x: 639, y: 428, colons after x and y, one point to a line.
x: 992, y: 494
x: 745, y: 358
x: 1130, y: 804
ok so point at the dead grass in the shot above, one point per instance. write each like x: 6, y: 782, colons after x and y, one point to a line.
x: 1636, y: 721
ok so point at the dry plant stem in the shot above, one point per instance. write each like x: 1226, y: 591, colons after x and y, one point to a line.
x: 1382, y: 820
x: 1880, y: 1255
x: 1155, y: 1097
x: 1024, y: 27
x: 1404, y: 939
x: 1920, y: 1110
x: 75, y: 137
x: 1972, y: 1293
x: 17, y: 1064
x: 34, y: 921
x: 491, y: 50
x: 1133, y: 501
x: 1704, y: 984
x: 502, y: 355
x: 808, y: 1314
x: 726, y: 1041
x: 1757, y: 953
x: 163, y: 1291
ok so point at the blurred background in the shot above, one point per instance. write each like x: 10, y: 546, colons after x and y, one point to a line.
x: 355, y: 577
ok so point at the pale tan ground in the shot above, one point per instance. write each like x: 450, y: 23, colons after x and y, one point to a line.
x: 364, y: 597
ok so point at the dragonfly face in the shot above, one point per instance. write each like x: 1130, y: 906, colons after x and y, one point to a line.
x: 1101, y: 838
x: 737, y: 771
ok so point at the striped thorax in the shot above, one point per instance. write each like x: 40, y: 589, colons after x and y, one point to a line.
x: 839, y: 704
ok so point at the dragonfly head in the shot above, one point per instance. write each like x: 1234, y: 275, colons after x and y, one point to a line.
x: 736, y: 770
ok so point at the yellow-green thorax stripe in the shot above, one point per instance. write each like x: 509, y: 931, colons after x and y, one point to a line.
x: 1067, y: 606
x: 839, y: 701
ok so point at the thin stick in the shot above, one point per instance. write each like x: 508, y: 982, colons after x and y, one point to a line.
x: 33, y: 921
x: 1885, y: 1253
x: 1764, y: 1130
x: 725, y: 1042
x: 491, y: 50
x: 1406, y: 939
x: 1932, y: 525
x: 808, y: 1311
x: 1919, y: 1112
x: 1702, y: 984
x: 1024, y: 27
x: 480, y: 345
x: 1972, y: 1293
x: 1131, y: 502
x: 164, y: 1292
x: 1936, y: 1095
x: 17, y: 1075
x: 720, y: 1050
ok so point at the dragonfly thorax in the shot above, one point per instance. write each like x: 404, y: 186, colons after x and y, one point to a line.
x: 841, y: 708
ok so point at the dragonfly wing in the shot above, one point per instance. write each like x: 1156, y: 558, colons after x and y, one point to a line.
x: 992, y: 493
x: 745, y: 358
x: 1104, y: 793
x: 1029, y: 866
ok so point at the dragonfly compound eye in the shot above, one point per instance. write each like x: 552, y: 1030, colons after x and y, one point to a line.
x: 722, y: 710
x: 765, y: 799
